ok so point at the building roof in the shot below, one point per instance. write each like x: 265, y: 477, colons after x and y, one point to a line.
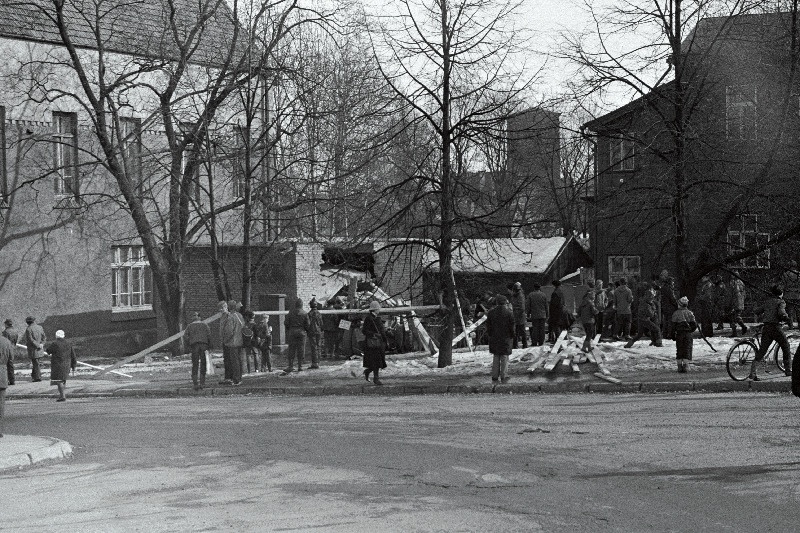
x: 135, y: 27
x: 531, y: 256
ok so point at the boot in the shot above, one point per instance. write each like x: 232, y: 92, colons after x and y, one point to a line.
x: 377, y: 380
x: 366, y: 374
x: 629, y: 344
x: 753, y: 376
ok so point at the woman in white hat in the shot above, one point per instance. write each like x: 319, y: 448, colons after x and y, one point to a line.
x: 374, y: 343
x: 62, y: 359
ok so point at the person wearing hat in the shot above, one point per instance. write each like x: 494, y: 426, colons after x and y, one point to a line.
x: 314, y: 332
x: 62, y: 359
x: 500, y: 329
x: 13, y: 336
x: 6, y: 354
x: 374, y: 343
x: 198, y: 337
x: 520, y: 316
x: 772, y: 313
x: 297, y: 326
x: 34, y: 341
x: 683, y: 325
x: 538, y: 313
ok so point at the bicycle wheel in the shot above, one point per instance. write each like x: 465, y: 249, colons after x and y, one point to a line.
x: 740, y: 358
x: 776, y: 354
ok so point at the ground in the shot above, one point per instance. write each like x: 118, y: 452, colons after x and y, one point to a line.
x: 414, y: 463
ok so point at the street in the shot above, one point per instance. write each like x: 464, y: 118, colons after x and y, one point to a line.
x: 716, y: 462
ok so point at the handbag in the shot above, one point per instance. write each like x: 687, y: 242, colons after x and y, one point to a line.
x: 373, y: 342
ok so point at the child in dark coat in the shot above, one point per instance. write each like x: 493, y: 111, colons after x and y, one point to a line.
x: 683, y: 324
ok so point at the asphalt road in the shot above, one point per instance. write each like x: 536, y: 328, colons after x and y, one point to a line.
x: 725, y: 462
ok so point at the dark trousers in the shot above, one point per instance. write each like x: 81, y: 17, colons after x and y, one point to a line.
x: 332, y: 341
x: 36, y: 373
x: 667, y: 325
x: 231, y: 356
x: 623, y: 325
x: 297, y: 347
x: 736, y: 318
x: 199, y: 363
x: 520, y: 335
x: 537, y: 331
x: 10, y: 371
x: 2, y: 408
x: 647, y: 326
x: 266, y: 360
x: 683, y: 345
x: 598, y: 322
x: 773, y: 332
x: 313, y: 342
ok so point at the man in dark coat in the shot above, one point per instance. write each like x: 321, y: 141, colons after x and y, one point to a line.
x: 62, y: 359
x: 34, y: 341
x: 314, y: 332
x: 500, y: 328
x: 646, y: 320
x: 6, y: 353
x: 518, y: 307
x: 297, y: 325
x: 11, y: 334
x: 538, y: 313
x: 557, y: 312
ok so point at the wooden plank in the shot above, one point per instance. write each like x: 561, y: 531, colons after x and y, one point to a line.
x: 566, y: 361
x: 460, y: 314
x: 384, y: 310
x: 603, y: 368
x: 425, y: 339
x: 590, y: 357
x: 575, y: 360
x: 559, y: 342
x: 536, y: 363
x: 470, y: 329
x: 101, y: 368
x: 607, y: 378
x: 552, y: 361
x: 151, y: 349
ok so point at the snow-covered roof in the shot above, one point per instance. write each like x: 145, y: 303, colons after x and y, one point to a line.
x: 532, y: 256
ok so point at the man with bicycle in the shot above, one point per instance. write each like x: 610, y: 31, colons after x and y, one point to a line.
x: 773, y: 313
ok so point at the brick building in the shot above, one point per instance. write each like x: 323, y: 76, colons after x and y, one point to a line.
x: 738, y: 173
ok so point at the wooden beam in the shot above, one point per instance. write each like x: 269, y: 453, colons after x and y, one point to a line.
x: 150, y: 349
x: 607, y: 378
x: 470, y: 329
x: 101, y: 368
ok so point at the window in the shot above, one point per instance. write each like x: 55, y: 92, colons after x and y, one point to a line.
x: 743, y: 234
x: 3, y: 175
x: 740, y: 112
x: 130, y: 148
x: 131, y: 280
x: 188, y: 157
x: 621, y: 153
x: 239, y: 154
x: 623, y: 266
x: 65, y: 139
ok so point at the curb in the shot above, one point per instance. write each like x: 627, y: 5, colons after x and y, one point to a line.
x: 401, y: 389
x: 56, y: 450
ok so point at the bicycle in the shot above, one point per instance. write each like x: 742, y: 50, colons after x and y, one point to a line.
x: 741, y: 355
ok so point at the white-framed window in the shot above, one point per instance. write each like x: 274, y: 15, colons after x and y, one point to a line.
x: 741, y: 112
x: 622, y: 153
x: 624, y: 266
x: 744, y: 234
x: 65, y: 137
x: 130, y: 148
x: 131, y: 280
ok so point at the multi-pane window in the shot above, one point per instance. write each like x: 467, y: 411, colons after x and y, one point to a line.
x: 131, y: 280
x: 744, y: 234
x: 741, y: 116
x: 624, y: 266
x: 130, y: 148
x: 621, y: 153
x: 3, y: 175
x: 65, y: 137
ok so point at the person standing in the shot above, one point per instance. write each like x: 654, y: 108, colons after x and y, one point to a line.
x: 481, y: 310
x: 791, y: 284
x: 773, y: 312
x: 34, y: 341
x: 538, y: 313
x: 330, y: 330
x: 587, y: 312
x: 600, y: 300
x: 669, y: 304
x: 557, y: 311
x: 232, y: 341
x: 374, y: 343
x: 297, y: 325
x: 262, y: 333
x: 683, y: 325
x: 198, y: 337
x: 736, y: 301
x: 705, y: 306
x: 623, y: 299
x: 314, y: 333
x: 223, y: 322
x: 6, y: 354
x: 518, y: 306
x: 610, y: 313
x: 11, y: 334
x: 249, y: 349
x: 62, y: 360
x: 646, y: 315
x: 500, y: 329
